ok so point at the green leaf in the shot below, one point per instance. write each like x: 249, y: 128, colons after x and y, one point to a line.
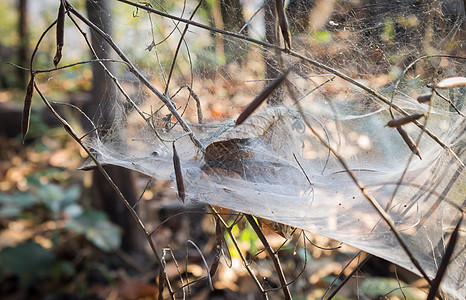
x: 10, y: 211
x: 375, y: 287
x: 21, y: 200
x: 63, y: 268
x: 71, y: 195
x: 56, y: 198
x: 13, y: 205
x: 322, y: 36
x: 28, y: 261
x: 96, y: 228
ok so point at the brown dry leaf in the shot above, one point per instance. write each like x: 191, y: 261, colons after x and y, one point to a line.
x: 227, y: 150
x: 283, y: 230
x: 283, y: 23
x: 250, y: 150
x: 265, y: 125
x: 424, y: 98
x: 27, y: 108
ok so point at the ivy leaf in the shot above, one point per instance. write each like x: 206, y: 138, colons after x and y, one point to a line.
x: 28, y: 261
x: 96, y: 228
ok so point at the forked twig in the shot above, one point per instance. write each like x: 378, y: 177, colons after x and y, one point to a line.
x: 273, y: 256
x: 350, y: 275
x: 449, y: 102
x: 315, y: 63
x: 139, y: 75
x: 178, y: 47
x: 304, y: 265
x: 135, y: 216
x: 115, y: 80
x: 385, y: 216
x: 243, y: 259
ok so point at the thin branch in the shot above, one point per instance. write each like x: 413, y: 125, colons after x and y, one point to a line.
x: 203, y: 259
x: 305, y: 58
x: 347, y: 278
x: 139, y: 75
x: 385, y: 216
x: 449, y: 101
x: 273, y: 256
x: 135, y: 216
x: 243, y: 259
x: 178, y: 47
x: 143, y: 192
x: 80, y: 63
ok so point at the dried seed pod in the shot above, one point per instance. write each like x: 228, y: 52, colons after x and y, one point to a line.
x: 283, y: 23
x: 424, y: 98
x: 404, y: 120
x: 261, y: 98
x: 451, y: 82
x: 27, y: 108
x: 60, y: 34
x: 178, y: 175
x: 412, y: 146
x: 218, y: 248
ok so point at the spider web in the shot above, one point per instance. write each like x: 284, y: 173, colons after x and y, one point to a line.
x: 273, y: 165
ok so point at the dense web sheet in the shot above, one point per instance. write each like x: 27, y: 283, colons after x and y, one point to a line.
x: 273, y: 166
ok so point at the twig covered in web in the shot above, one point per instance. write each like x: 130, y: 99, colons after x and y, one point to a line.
x: 240, y: 252
x: 449, y: 102
x: 414, y: 152
x: 139, y: 75
x: 295, y: 54
x: 273, y: 256
x: 133, y: 213
x: 115, y: 80
x: 385, y: 216
x: 347, y: 278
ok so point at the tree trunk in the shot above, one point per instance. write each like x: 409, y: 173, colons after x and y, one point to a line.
x: 272, y: 68
x: 104, y: 112
x: 23, y: 42
x: 298, y: 12
x: 233, y: 20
